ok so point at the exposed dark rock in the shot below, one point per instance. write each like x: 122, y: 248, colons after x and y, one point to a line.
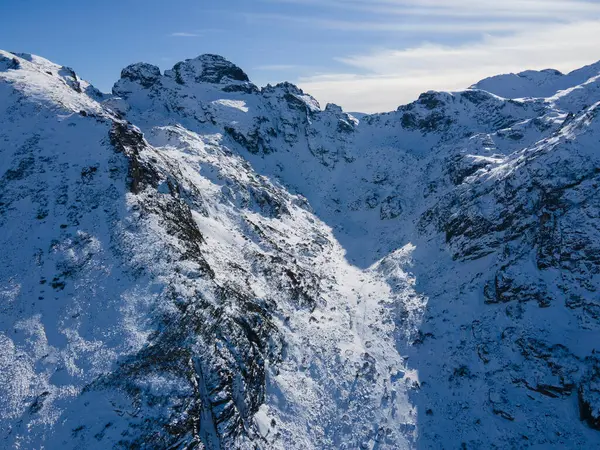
x: 430, y: 100
x: 146, y: 75
x: 71, y: 78
x: 589, y: 397
x: 208, y: 69
x: 391, y: 208
x: 8, y: 63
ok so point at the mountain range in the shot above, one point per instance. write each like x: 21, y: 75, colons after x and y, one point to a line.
x: 194, y: 262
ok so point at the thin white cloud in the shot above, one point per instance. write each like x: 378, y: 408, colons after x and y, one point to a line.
x: 548, y: 9
x: 456, y: 5
x: 389, y: 77
x: 421, y: 26
x: 276, y: 67
x: 184, y: 34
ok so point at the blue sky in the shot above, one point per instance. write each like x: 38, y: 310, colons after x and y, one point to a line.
x: 365, y: 55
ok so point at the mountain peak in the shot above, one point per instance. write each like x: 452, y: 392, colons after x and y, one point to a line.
x: 142, y: 73
x: 536, y: 83
x: 207, y: 68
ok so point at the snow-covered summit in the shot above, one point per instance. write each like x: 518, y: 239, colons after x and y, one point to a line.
x: 211, y: 69
x: 532, y: 83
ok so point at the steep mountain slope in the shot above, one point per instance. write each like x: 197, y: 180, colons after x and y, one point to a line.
x: 158, y: 296
x: 194, y: 262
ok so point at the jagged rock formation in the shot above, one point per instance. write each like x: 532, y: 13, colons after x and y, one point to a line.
x: 196, y: 262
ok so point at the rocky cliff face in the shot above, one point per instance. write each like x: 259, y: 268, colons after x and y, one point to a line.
x: 196, y: 262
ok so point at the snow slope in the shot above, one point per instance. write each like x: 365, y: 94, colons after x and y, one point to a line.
x: 532, y: 83
x: 196, y: 262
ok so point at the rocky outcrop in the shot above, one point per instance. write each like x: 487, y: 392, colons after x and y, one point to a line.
x: 144, y: 74
x: 207, y: 69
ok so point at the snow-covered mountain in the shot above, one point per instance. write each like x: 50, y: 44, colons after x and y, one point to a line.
x: 196, y: 262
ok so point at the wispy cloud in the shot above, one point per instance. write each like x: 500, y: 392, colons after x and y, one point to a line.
x: 458, y: 8
x: 184, y: 34
x: 428, y: 26
x: 276, y: 67
x: 441, y: 16
x: 389, y: 77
